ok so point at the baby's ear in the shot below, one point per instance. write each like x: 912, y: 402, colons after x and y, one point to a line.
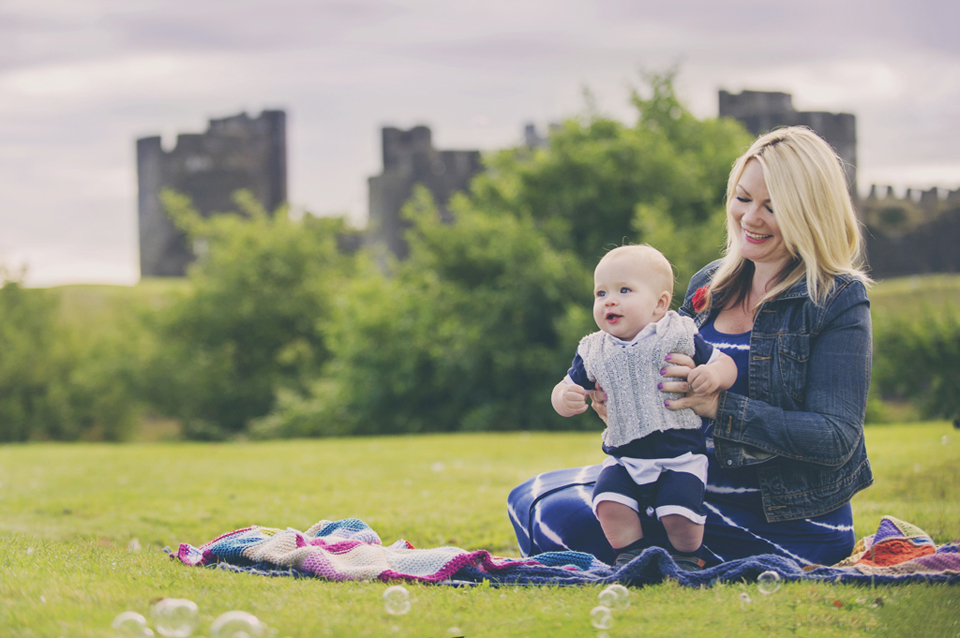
x: 663, y: 303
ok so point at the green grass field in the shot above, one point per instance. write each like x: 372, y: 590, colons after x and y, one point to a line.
x: 83, y: 527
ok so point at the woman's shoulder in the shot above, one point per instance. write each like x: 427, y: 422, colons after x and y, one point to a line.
x: 704, y: 276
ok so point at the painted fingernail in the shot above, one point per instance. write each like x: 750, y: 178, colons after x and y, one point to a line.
x: 669, y: 357
x: 663, y: 371
x: 659, y: 386
x: 666, y: 403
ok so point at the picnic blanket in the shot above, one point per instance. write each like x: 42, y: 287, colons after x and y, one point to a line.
x: 349, y: 549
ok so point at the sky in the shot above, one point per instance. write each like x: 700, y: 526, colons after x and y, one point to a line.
x: 81, y: 81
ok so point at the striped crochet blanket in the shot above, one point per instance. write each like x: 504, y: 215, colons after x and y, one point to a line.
x: 350, y: 550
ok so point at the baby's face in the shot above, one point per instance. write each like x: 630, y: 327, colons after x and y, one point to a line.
x: 624, y: 301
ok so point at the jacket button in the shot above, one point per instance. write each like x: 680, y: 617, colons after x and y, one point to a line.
x: 729, y: 462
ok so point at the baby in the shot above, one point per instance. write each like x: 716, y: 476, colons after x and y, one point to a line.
x: 656, y: 461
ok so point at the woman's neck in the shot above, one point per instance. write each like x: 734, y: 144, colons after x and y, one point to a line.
x: 764, y: 278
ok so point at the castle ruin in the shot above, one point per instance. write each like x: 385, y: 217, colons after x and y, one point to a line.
x: 762, y: 111
x: 409, y: 159
x: 917, y: 233
x: 237, y: 152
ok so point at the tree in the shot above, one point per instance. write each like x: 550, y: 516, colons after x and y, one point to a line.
x: 478, y: 324
x: 470, y: 332
x: 601, y: 182
x: 56, y: 384
x: 249, y: 326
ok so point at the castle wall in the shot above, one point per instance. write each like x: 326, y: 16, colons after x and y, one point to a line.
x: 410, y: 159
x: 763, y: 111
x: 237, y: 152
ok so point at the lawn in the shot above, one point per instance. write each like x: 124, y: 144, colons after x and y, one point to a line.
x: 83, y: 528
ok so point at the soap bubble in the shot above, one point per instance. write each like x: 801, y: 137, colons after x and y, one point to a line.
x: 615, y: 597
x: 175, y: 617
x: 601, y: 617
x: 130, y: 624
x: 237, y: 624
x: 396, y: 600
x: 769, y: 582
x: 744, y: 600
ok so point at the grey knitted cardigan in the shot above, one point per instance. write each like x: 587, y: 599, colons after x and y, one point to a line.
x: 629, y: 374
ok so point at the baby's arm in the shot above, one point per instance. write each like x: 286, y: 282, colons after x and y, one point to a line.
x: 568, y: 399
x: 715, y: 376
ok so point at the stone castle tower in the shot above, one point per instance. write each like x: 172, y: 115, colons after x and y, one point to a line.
x: 762, y: 111
x: 409, y: 159
x: 237, y: 152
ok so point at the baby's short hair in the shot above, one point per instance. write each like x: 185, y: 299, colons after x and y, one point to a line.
x: 658, y: 267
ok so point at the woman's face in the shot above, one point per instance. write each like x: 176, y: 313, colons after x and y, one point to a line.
x: 759, y: 236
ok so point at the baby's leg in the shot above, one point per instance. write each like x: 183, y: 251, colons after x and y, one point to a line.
x: 621, y: 525
x: 685, y: 535
x: 615, y: 504
x: 680, y: 509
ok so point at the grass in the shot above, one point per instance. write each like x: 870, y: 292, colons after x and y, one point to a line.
x: 88, y: 306
x: 69, y: 516
x: 904, y: 295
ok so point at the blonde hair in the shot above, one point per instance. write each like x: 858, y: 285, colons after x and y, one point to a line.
x: 814, y: 212
x: 659, y: 270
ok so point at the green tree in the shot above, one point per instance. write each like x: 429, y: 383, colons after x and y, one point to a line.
x: 930, y: 339
x: 55, y: 383
x: 249, y: 326
x: 470, y: 332
x: 601, y: 182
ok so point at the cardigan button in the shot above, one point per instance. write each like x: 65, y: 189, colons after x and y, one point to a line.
x: 729, y: 462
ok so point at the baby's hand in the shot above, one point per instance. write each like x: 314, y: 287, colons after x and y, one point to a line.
x: 570, y: 399
x: 704, y: 379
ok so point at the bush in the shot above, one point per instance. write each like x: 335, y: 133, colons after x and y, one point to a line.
x: 470, y: 332
x: 918, y: 359
x: 249, y: 325
x: 56, y: 384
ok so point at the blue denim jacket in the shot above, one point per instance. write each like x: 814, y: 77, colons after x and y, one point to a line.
x: 802, y: 422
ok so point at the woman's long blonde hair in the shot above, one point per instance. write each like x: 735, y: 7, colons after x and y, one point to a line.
x: 809, y: 197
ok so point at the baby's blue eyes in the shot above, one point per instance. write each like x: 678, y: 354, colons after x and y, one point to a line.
x: 623, y: 291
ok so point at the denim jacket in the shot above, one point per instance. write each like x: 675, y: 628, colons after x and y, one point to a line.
x: 802, y: 421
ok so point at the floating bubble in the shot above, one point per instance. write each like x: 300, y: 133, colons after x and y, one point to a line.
x: 944, y: 439
x: 601, y: 617
x: 175, y: 617
x: 769, y: 582
x: 396, y: 600
x: 744, y: 600
x: 130, y: 624
x: 454, y: 632
x: 616, y: 597
x: 237, y: 624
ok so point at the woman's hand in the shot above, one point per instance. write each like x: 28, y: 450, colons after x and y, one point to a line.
x: 679, y: 366
x: 598, y: 401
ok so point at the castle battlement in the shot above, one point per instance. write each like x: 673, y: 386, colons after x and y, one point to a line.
x: 236, y: 152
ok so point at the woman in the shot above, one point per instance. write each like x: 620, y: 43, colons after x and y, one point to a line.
x: 788, y: 302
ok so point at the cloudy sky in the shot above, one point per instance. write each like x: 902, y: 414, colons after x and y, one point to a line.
x: 81, y: 81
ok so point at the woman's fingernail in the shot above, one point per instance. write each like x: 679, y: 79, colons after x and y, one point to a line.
x: 663, y: 371
x: 666, y: 403
x: 659, y: 386
x: 668, y: 357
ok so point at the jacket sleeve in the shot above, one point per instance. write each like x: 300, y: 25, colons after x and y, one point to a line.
x: 827, y: 425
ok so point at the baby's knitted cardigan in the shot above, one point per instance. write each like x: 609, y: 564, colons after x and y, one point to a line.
x: 629, y: 374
